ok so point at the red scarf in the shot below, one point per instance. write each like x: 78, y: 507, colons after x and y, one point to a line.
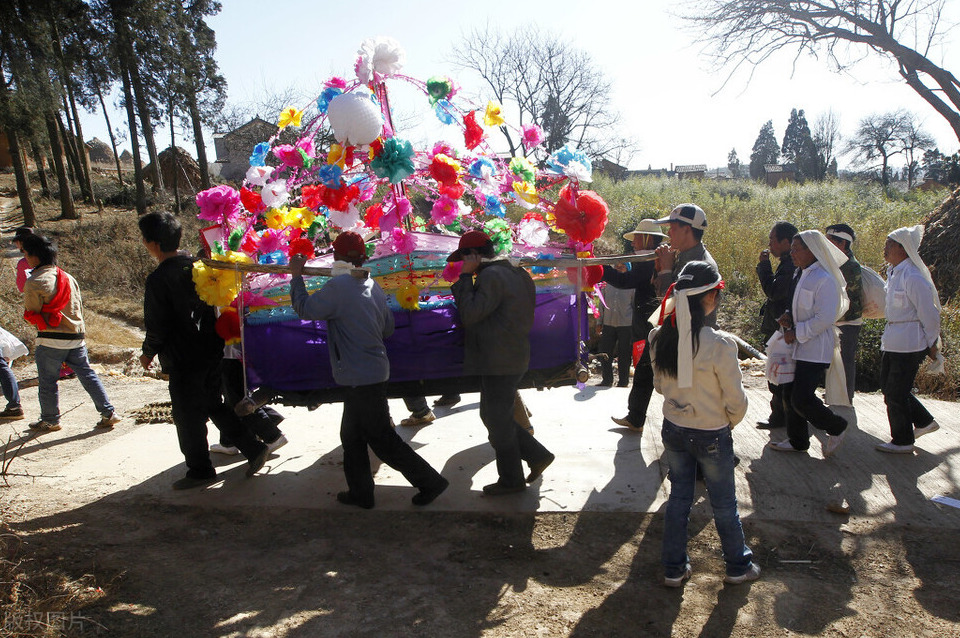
x: 51, y: 314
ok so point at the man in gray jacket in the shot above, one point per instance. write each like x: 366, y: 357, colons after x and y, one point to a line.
x: 496, y: 311
x: 685, y: 227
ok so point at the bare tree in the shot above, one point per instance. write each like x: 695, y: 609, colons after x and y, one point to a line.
x: 914, y: 140
x: 747, y: 32
x: 879, y: 137
x: 826, y: 137
x: 551, y: 83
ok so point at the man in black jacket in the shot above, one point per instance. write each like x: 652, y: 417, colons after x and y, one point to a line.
x: 640, y: 277
x: 778, y: 287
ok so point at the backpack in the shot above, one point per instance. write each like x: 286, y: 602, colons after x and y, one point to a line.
x: 874, y: 294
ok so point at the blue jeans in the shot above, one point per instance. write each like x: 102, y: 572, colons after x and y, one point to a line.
x: 713, y: 451
x: 11, y: 391
x: 49, y: 361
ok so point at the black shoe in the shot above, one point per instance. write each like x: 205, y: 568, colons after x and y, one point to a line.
x: 623, y: 384
x: 426, y: 496
x: 536, y: 469
x: 189, y: 482
x: 767, y: 425
x: 257, y: 462
x: 349, y: 499
x: 447, y: 401
x: 605, y: 383
x: 497, y: 489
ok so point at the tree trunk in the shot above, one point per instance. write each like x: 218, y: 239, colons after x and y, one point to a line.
x: 41, y: 169
x: 141, y: 202
x: 143, y: 109
x: 74, y: 141
x: 73, y: 159
x: 23, y: 179
x: 67, y: 208
x: 176, y: 163
x: 113, y: 139
x: 198, y: 139
x: 81, y: 144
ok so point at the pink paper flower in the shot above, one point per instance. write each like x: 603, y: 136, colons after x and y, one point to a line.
x: 336, y: 83
x: 289, y: 155
x: 220, y: 204
x: 270, y: 241
x: 532, y: 136
x: 444, y: 210
x: 451, y: 272
x: 402, y: 241
x: 305, y: 144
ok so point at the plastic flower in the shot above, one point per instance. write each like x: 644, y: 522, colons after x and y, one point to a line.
x: 301, y: 246
x: 220, y: 204
x: 251, y: 201
x: 444, y: 210
x: 227, y: 325
x: 444, y: 169
x: 499, y: 232
x: 402, y: 242
x: 582, y: 215
x: 473, y: 133
x: 532, y: 136
x: 408, y: 296
x: 371, y: 218
x: 345, y: 219
x: 532, y: 230
x: 330, y: 175
x: 526, y: 191
x: 522, y: 167
x: 494, y: 206
x: 445, y: 112
x: 259, y: 155
x: 571, y: 162
x: 259, y: 175
x: 483, y: 168
x: 275, y: 194
x: 395, y: 161
x: 451, y: 272
x: 216, y: 286
x: 270, y: 241
x: 378, y: 58
x: 440, y: 87
x: 492, y: 115
x: 289, y: 155
x: 323, y: 102
x: 290, y: 116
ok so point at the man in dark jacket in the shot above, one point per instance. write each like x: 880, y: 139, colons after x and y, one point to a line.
x: 842, y: 236
x: 180, y: 330
x: 778, y: 287
x: 496, y: 311
x: 640, y: 278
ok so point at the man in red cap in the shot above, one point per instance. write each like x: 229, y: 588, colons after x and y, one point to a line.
x: 358, y: 320
x: 496, y: 310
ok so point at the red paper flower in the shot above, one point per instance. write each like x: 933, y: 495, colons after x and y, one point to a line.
x: 455, y: 191
x: 339, y: 198
x: 445, y: 170
x: 311, y: 196
x: 591, y: 276
x: 251, y: 200
x: 228, y: 325
x: 473, y: 134
x: 303, y: 246
x: 583, y: 219
x: 372, y: 217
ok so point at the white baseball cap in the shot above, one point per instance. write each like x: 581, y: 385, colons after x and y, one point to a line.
x: 690, y: 214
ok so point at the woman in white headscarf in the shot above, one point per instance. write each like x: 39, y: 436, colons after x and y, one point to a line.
x: 695, y: 368
x: 912, y: 333
x: 819, y: 300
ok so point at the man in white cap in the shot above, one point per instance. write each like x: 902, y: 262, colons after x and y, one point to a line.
x: 819, y: 300
x: 912, y: 333
x: 842, y: 236
x: 686, y: 225
x: 640, y: 279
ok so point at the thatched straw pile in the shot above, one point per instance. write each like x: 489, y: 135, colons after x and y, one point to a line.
x: 188, y: 173
x: 940, y: 248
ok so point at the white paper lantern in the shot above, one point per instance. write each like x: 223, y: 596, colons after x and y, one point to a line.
x: 355, y: 118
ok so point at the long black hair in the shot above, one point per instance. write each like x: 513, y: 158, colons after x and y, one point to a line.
x: 666, y: 343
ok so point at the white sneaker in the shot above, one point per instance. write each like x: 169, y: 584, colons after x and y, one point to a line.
x: 927, y: 429
x: 413, y: 421
x: 276, y: 445
x: 891, y: 448
x: 232, y: 450
x: 679, y: 580
x: 752, y: 574
x: 832, y: 444
x: 783, y: 446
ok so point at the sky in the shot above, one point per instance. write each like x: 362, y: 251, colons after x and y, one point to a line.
x: 671, y: 99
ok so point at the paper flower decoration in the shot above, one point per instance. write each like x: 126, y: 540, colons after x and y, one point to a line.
x: 499, y: 232
x: 275, y: 194
x: 451, y: 272
x: 445, y: 169
x: 269, y: 241
x: 289, y: 155
x: 379, y: 58
x: 345, y: 219
x: 330, y: 175
x: 330, y: 92
x: 590, y: 276
x: 571, y: 162
x: 259, y: 175
x: 409, y: 297
x: 301, y: 246
x: 445, y: 112
x: 483, y: 168
x: 395, y: 161
x: 371, y: 218
x: 227, y: 325
x: 251, y: 201
x: 290, y: 116
x: 494, y: 206
x: 523, y: 168
x: 526, y: 191
x: 355, y: 118
x: 215, y: 286
x: 492, y: 115
x: 473, y: 133
x: 402, y: 241
x: 542, y: 270
x: 444, y: 210
x: 532, y: 230
x: 259, y: 155
x: 532, y: 136
x: 582, y: 215
x: 220, y: 204
x: 440, y: 87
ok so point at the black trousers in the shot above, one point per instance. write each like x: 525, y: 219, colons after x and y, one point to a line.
x: 806, y: 403
x: 641, y: 391
x: 616, y: 342
x: 366, y: 422
x: 194, y: 398
x: 904, y: 411
x: 511, y: 443
x: 263, y: 421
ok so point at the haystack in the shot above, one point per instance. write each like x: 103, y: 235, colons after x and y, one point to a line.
x: 940, y: 248
x: 99, y: 151
x: 188, y: 171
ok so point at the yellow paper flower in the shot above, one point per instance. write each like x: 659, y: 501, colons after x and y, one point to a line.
x: 290, y: 116
x: 526, y: 191
x: 337, y: 156
x: 551, y: 220
x: 409, y: 297
x: 302, y: 217
x: 275, y: 218
x: 492, y: 115
x: 215, y: 287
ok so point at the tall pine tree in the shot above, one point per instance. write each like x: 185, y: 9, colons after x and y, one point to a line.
x: 766, y: 150
x: 798, y: 147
